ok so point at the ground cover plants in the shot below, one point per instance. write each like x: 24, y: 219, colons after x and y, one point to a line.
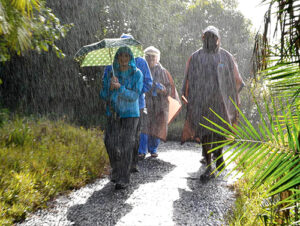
x: 41, y: 159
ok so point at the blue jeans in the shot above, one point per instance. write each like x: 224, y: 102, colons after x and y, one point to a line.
x: 148, y: 143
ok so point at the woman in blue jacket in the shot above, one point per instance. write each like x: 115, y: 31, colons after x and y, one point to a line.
x: 121, y: 92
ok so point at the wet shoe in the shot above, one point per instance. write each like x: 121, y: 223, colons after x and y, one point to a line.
x: 154, y: 155
x: 203, y: 161
x: 142, y: 156
x: 207, y: 175
x: 120, y: 186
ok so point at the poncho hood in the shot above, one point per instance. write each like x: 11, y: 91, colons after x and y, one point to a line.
x: 124, y: 49
x: 211, y: 39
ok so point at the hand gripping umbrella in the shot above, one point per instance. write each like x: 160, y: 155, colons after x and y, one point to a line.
x: 102, y: 53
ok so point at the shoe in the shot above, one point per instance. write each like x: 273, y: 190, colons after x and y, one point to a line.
x: 142, y: 156
x: 154, y: 155
x: 207, y: 175
x: 120, y: 186
x: 203, y: 161
x: 134, y: 170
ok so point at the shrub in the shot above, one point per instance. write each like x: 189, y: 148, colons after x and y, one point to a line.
x: 40, y: 159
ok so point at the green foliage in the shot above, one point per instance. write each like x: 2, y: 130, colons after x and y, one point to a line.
x: 279, y: 62
x: 28, y: 25
x: 3, y: 116
x: 40, y: 159
x: 42, y: 84
x: 248, y: 209
x: 270, y: 154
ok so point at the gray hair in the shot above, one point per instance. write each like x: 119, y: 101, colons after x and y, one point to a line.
x: 151, y: 50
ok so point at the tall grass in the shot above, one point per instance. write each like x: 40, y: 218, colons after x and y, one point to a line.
x: 40, y: 159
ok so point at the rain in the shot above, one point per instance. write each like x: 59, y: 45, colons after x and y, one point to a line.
x: 168, y: 189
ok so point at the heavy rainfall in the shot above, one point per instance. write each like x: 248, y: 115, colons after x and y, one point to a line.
x: 113, y: 155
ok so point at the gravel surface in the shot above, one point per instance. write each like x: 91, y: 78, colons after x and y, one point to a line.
x: 166, y: 191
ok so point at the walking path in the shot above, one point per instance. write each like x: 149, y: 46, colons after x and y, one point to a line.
x: 166, y: 191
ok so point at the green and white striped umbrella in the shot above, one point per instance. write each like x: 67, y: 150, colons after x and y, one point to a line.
x: 102, y: 53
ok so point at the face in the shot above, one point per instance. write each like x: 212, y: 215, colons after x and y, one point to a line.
x: 211, y: 42
x: 211, y: 39
x: 152, y: 60
x: 123, y: 60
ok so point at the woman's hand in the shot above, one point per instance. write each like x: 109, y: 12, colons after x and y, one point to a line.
x: 114, y: 83
x: 114, y: 79
x: 161, y: 89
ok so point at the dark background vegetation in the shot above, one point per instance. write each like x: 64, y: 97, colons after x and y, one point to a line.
x: 45, y: 85
x: 36, y: 81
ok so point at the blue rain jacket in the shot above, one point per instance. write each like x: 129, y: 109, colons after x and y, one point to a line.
x: 141, y: 64
x: 125, y: 100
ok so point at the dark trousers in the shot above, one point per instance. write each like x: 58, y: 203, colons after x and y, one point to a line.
x: 141, y: 120
x: 119, y: 142
x: 207, y: 146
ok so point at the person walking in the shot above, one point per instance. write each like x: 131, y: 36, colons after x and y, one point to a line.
x: 156, y: 124
x: 211, y: 81
x: 121, y: 92
x: 141, y: 64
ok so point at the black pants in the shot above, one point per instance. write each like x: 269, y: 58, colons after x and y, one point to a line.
x: 206, y: 147
x: 141, y: 122
x: 119, y: 142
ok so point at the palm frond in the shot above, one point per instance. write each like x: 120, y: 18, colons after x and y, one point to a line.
x: 26, y: 7
x: 283, y: 79
x: 270, y: 152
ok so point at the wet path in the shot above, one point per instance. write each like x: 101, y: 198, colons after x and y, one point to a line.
x: 166, y: 191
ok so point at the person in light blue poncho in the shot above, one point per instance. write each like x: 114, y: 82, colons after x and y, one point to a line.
x: 121, y: 94
x: 141, y: 64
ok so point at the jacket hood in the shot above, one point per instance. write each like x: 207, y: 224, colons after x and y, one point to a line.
x: 213, y: 30
x: 124, y: 49
x: 211, y: 39
x: 126, y: 36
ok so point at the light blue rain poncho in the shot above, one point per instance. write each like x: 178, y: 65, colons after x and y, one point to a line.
x: 141, y: 64
x: 123, y: 101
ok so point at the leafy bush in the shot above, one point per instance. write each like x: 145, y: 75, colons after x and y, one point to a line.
x: 40, y: 159
x: 3, y: 115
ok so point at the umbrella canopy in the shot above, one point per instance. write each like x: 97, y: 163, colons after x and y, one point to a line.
x: 102, y: 53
